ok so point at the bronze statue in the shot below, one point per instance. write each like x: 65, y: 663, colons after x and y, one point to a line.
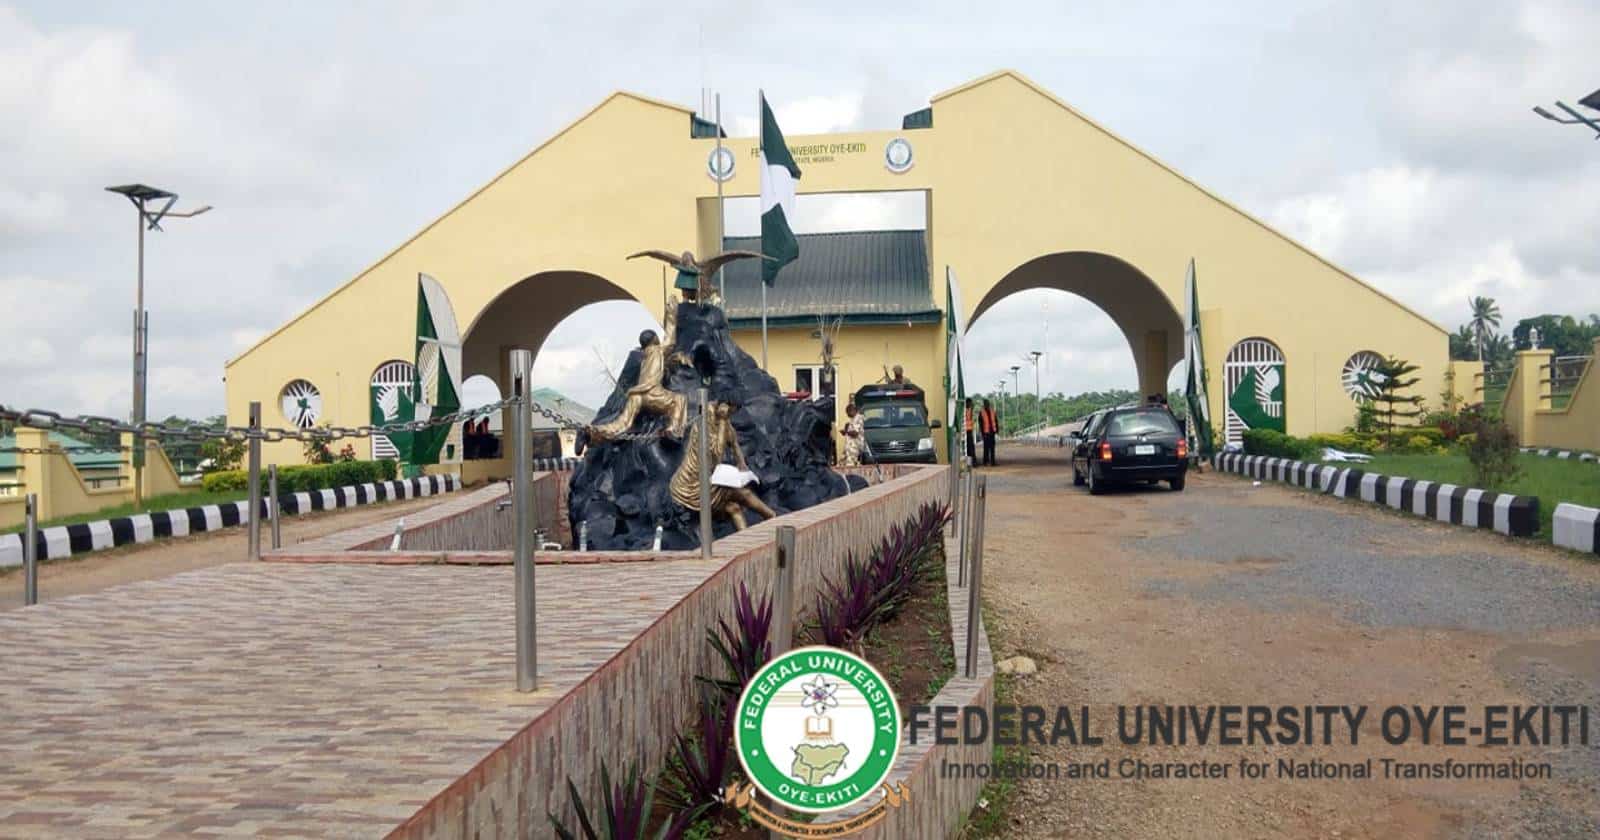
x: 648, y: 393
x: 693, y: 275
x: 726, y: 501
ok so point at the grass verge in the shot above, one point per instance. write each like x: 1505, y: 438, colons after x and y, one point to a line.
x: 170, y: 501
x: 1553, y: 480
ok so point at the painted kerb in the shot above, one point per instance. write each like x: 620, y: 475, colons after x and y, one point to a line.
x: 1516, y: 516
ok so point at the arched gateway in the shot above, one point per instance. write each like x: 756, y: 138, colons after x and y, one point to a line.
x: 1021, y: 191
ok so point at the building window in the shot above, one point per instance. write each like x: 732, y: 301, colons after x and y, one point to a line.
x: 1254, y: 376
x: 301, y: 403
x: 816, y: 380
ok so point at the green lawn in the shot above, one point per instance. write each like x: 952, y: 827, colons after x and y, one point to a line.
x: 1551, y: 479
x: 171, y: 501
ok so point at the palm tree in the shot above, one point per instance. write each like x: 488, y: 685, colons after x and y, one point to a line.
x: 1485, y: 318
x: 1463, y: 343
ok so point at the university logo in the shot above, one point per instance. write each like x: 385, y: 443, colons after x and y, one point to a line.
x: 817, y: 730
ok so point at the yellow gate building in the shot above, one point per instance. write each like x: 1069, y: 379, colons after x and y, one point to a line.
x: 1021, y: 192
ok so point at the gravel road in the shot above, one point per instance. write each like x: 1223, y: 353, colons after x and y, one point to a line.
x: 1229, y: 593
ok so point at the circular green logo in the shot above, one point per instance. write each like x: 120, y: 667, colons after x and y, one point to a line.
x: 817, y: 729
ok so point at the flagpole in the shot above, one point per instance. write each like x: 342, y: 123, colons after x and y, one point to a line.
x: 722, y: 292
x: 761, y: 112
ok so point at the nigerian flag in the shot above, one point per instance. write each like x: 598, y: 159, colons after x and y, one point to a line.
x: 1194, y: 390
x: 778, y: 177
x: 438, y: 377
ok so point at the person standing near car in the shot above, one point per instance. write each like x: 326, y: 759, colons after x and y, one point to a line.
x: 989, y: 426
x: 855, y: 430
x: 972, y: 442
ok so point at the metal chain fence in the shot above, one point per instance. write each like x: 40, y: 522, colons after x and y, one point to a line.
x: 37, y: 418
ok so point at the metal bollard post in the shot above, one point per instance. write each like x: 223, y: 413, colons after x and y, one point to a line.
x: 783, y: 593
x: 30, y: 550
x: 964, y: 536
x: 583, y: 535
x: 705, y: 475
x: 253, y: 540
x: 274, y: 512
x: 975, y: 578
x: 521, y: 493
x: 955, y: 488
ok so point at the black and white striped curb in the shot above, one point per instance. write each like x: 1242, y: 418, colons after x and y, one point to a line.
x: 1516, y: 516
x: 366, y: 494
x: 556, y: 464
x: 1565, y: 454
x: 1576, y: 527
x: 66, y: 540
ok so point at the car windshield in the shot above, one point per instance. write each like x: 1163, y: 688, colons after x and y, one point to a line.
x: 1151, y: 422
x: 892, y: 416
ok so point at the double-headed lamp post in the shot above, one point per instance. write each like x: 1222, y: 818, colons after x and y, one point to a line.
x: 153, y: 205
x: 1038, y: 398
x: 1591, y: 101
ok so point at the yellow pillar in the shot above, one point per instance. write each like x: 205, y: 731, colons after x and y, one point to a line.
x: 1153, y: 364
x: 36, y: 468
x: 1466, y: 381
x: 1527, y: 393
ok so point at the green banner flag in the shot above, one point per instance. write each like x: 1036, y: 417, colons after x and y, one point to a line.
x: 437, y: 388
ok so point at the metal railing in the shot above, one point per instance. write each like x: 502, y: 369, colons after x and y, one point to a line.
x: 1560, y: 378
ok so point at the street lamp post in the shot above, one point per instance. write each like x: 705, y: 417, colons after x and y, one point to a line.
x: 1016, y: 390
x: 143, y: 197
x: 1005, y: 408
x: 1592, y: 101
x: 1038, y: 398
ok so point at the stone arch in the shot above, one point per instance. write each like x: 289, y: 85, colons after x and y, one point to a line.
x: 1138, y: 305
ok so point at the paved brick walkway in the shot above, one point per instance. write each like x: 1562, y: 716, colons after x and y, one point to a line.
x: 280, y: 700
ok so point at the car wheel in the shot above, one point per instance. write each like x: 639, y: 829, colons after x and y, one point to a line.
x: 1077, y: 478
x: 1095, y: 487
x: 1177, y: 484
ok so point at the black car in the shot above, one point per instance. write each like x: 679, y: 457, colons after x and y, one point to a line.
x: 1128, y: 444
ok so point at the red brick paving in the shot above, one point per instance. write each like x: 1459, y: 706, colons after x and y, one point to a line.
x: 286, y: 700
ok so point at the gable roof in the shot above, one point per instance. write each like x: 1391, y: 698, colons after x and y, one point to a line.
x: 875, y: 276
x: 1047, y: 95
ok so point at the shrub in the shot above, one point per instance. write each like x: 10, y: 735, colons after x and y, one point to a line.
x: 626, y: 813
x: 301, y: 478
x: 1493, y: 453
x: 1421, y: 445
x: 1342, y: 441
x: 223, y: 481
x: 1277, y: 444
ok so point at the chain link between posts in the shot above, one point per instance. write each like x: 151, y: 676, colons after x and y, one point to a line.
x: 37, y: 418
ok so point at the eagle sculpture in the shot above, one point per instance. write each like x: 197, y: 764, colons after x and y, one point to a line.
x: 692, y: 272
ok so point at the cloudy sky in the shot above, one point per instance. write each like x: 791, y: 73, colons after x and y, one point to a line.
x: 1394, y: 138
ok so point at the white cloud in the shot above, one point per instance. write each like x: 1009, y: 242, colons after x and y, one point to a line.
x: 1396, y: 140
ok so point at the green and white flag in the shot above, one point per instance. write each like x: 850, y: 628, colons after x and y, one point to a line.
x: 779, y: 174
x: 954, y: 385
x: 1194, y: 363
x: 438, y: 382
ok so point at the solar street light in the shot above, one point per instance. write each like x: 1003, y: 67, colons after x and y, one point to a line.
x: 153, y: 204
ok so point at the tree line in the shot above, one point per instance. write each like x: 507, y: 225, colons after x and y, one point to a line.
x: 1480, y: 339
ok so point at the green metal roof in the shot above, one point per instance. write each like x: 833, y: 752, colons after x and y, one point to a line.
x: 918, y: 119
x: 878, y: 276
x: 83, y: 460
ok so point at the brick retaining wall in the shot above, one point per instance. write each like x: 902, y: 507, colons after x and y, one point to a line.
x: 629, y: 709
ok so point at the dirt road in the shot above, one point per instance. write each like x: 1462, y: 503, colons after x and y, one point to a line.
x: 1233, y: 594
x: 93, y: 572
